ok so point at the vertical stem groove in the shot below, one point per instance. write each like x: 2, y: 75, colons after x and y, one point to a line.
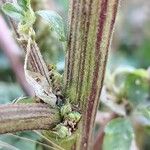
x: 91, y: 28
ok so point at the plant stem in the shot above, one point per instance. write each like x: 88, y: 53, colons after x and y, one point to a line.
x: 36, y: 60
x: 12, y: 51
x: 99, y: 138
x: 19, y: 117
x: 102, y: 117
x: 91, y: 28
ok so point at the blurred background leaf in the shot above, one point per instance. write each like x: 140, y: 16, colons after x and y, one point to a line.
x: 118, y: 135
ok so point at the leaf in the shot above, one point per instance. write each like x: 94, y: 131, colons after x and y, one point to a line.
x: 55, y: 21
x: 25, y: 4
x: 111, y: 102
x: 65, y: 144
x: 29, y: 15
x: 41, y: 87
x: 118, y: 135
x: 7, y: 146
x: 133, y: 85
x: 21, y: 140
x: 13, y: 11
x: 37, y: 80
x: 9, y: 91
x: 145, y: 111
x: 143, y: 114
x: 28, y: 19
x: 24, y: 100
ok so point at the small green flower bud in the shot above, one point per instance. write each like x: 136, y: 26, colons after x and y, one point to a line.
x: 65, y: 109
x: 62, y: 131
x: 73, y: 116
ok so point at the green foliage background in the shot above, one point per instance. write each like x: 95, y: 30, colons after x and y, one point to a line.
x: 130, y: 48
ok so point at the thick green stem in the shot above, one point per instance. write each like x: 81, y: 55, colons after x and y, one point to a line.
x: 91, y: 28
x: 19, y: 117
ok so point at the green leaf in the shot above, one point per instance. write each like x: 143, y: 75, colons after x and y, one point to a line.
x: 24, y: 3
x: 28, y: 19
x: 61, y: 144
x: 12, y: 10
x: 21, y: 140
x: 9, y: 91
x: 24, y: 100
x: 118, y: 135
x: 144, y: 111
x: 55, y: 21
x: 133, y: 85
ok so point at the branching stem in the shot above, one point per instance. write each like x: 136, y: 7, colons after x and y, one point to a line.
x: 19, y: 117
